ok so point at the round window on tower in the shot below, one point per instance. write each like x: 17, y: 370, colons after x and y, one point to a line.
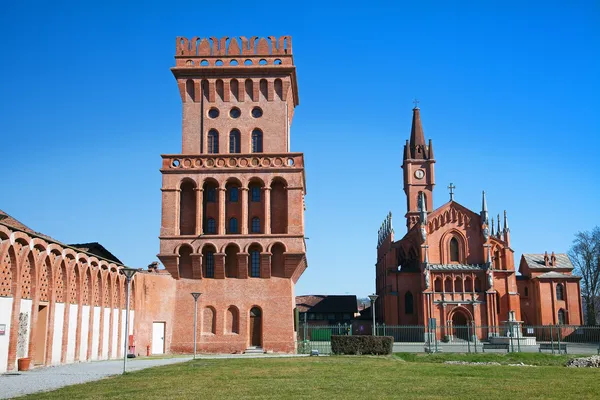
x: 257, y: 112
x: 213, y: 112
x: 235, y: 112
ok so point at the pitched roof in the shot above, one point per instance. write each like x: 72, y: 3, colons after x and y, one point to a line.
x: 327, y: 303
x: 554, y: 274
x: 6, y: 219
x: 536, y: 261
x: 96, y: 249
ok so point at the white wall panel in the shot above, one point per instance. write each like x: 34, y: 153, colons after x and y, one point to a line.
x: 115, y: 333
x: 59, y: 318
x: 85, y: 329
x: 72, y: 333
x: 5, y: 319
x: 106, y: 333
x: 96, y: 333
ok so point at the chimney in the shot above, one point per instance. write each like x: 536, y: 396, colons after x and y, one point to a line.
x: 553, y: 260
x: 546, y: 259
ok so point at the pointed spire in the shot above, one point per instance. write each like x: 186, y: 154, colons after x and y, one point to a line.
x: 417, y: 138
x: 407, y: 151
x: 499, y: 226
x: 484, y: 210
x: 430, y: 149
x: 422, y: 208
x: 492, y: 226
x: 505, y: 222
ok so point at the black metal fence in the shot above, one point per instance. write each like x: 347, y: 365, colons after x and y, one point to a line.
x: 553, y: 339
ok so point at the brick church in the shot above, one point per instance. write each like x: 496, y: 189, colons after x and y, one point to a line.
x: 457, y: 266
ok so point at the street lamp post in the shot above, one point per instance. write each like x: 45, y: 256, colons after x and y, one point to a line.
x: 373, y: 297
x: 196, y: 295
x: 128, y: 272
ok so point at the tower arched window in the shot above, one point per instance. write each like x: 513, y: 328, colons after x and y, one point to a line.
x: 257, y: 141
x: 234, y: 141
x: 255, y: 264
x: 560, y: 292
x: 454, y: 254
x: 210, y: 264
x: 233, y: 225
x: 562, y: 317
x: 255, y: 228
x: 213, y: 141
x: 234, y: 194
x: 211, y: 226
x: 408, y: 303
x: 255, y: 193
x: 211, y: 194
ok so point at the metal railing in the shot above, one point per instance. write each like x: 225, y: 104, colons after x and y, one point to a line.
x: 469, y: 338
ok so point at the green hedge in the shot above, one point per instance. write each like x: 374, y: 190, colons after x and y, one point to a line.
x: 362, y: 344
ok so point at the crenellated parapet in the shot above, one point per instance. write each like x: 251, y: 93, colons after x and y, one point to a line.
x: 231, y: 47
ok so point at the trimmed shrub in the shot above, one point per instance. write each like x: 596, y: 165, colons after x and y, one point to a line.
x: 362, y: 344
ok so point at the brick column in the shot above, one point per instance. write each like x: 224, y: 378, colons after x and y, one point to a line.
x: 199, y: 204
x: 265, y: 265
x: 196, y: 265
x: 219, y: 265
x: 267, y: 229
x: 221, y: 229
x: 243, y: 265
x: 170, y: 207
x: 244, y: 222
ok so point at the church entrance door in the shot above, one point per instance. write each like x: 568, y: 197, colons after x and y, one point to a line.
x: 255, y: 327
x: 459, y: 324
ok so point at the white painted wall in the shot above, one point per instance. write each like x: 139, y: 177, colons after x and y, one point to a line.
x: 106, y: 333
x: 26, y: 306
x: 115, y: 333
x: 96, y: 333
x: 59, y: 318
x: 5, y: 316
x: 85, y: 329
x: 72, y: 338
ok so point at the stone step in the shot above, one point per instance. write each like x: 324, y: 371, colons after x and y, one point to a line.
x: 254, y: 350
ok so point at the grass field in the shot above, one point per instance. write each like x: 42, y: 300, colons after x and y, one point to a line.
x: 400, y: 376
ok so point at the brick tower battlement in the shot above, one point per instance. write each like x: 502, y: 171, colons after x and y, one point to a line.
x: 230, y: 47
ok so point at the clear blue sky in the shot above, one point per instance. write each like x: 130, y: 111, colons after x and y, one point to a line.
x: 509, y: 94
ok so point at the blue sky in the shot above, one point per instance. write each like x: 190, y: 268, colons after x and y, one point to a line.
x: 509, y: 93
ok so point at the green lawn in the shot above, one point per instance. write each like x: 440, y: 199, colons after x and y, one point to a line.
x: 348, y: 377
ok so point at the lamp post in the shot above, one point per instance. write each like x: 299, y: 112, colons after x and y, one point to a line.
x: 128, y: 272
x: 373, y: 297
x: 196, y: 295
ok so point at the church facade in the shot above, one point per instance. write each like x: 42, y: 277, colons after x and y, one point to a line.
x: 456, y: 266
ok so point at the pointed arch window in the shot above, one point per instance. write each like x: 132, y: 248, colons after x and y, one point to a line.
x: 560, y: 292
x: 213, y: 141
x: 257, y: 141
x: 234, y: 141
x: 255, y: 228
x: 562, y: 317
x: 233, y: 225
x: 408, y: 303
x: 211, y: 226
x: 454, y: 253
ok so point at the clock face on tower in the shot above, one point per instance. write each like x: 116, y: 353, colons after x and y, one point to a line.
x: 419, y: 174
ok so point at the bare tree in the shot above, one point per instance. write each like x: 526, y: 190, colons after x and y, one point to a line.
x: 585, y: 255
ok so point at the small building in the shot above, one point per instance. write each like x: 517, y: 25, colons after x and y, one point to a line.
x: 327, y: 309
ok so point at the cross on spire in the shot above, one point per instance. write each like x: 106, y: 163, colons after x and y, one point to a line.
x: 416, y: 103
x: 451, y: 187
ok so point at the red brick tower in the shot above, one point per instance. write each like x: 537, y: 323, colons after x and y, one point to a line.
x: 233, y: 200
x: 418, y: 170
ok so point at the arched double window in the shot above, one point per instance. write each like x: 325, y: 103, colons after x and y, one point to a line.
x: 454, y: 253
x: 257, y: 141
x: 211, y: 226
x: 255, y: 228
x: 233, y: 225
x: 234, y: 141
x: 255, y: 264
x: 210, y: 264
x: 213, y: 141
x: 560, y: 292
x: 408, y: 303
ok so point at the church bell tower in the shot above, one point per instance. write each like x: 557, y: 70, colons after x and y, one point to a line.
x: 418, y: 166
